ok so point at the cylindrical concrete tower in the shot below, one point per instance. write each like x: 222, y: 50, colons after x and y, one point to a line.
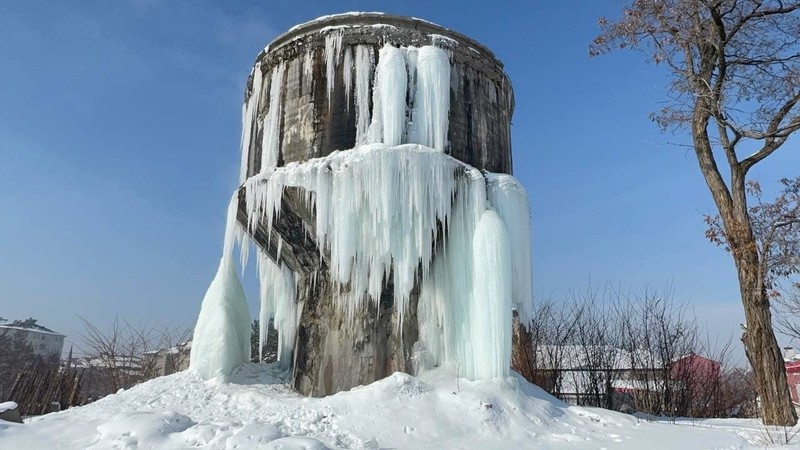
x: 314, y: 91
x: 318, y: 88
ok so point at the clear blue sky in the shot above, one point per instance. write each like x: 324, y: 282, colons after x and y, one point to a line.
x: 119, y: 136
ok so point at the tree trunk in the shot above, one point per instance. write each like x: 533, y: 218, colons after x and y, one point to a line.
x: 760, y: 344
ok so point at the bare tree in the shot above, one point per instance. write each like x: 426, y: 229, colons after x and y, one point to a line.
x: 634, y: 351
x: 596, y: 339
x: 656, y: 333
x: 125, y: 355
x: 551, y: 329
x: 788, y: 311
x: 735, y: 85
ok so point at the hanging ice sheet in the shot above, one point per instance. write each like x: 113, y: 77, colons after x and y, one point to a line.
x: 380, y: 213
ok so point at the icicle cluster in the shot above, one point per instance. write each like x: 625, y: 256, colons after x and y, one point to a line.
x: 265, y: 94
x: 377, y: 211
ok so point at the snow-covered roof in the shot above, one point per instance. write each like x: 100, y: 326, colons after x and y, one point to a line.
x: 5, y: 406
x: 28, y: 325
x: 584, y: 357
x: 118, y: 362
x: 378, y: 20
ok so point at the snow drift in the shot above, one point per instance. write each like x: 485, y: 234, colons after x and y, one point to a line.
x: 438, y: 410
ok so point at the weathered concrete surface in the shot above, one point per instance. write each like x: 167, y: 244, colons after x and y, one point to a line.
x: 329, y: 357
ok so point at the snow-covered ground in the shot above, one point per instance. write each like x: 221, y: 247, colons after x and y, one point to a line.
x: 257, y: 410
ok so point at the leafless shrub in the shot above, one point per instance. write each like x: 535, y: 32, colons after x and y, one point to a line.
x: 633, y: 351
x: 126, y: 354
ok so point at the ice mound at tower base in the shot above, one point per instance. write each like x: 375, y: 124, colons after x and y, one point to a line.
x: 256, y: 410
x: 222, y: 335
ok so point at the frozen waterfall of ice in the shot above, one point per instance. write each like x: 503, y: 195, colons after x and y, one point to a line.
x: 221, y: 340
x: 394, y: 210
x: 381, y: 212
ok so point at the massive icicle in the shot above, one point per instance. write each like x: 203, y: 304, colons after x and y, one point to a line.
x: 347, y: 75
x: 379, y: 212
x: 447, y: 293
x: 270, y: 144
x: 508, y: 197
x: 278, y: 302
x: 333, y: 47
x: 432, y: 99
x: 249, y: 111
x: 389, y: 98
x: 221, y: 340
x: 490, y: 309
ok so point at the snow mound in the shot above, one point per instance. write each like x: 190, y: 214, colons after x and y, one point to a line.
x: 256, y: 409
x: 5, y: 406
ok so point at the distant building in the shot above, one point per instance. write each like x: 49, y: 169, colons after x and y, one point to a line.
x: 613, y: 378
x: 696, y: 372
x: 792, y: 361
x: 167, y: 361
x: 44, y: 342
x: 603, y: 376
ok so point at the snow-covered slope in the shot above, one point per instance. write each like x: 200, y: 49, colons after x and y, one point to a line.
x: 256, y: 410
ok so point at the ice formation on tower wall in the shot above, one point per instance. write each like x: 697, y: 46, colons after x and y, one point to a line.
x: 395, y: 212
x: 382, y: 209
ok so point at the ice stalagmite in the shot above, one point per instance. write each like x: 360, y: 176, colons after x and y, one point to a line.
x: 221, y: 340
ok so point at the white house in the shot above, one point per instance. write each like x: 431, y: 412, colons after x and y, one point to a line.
x: 45, y: 342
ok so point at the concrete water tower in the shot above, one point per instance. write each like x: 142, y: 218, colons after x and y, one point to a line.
x: 306, y: 99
